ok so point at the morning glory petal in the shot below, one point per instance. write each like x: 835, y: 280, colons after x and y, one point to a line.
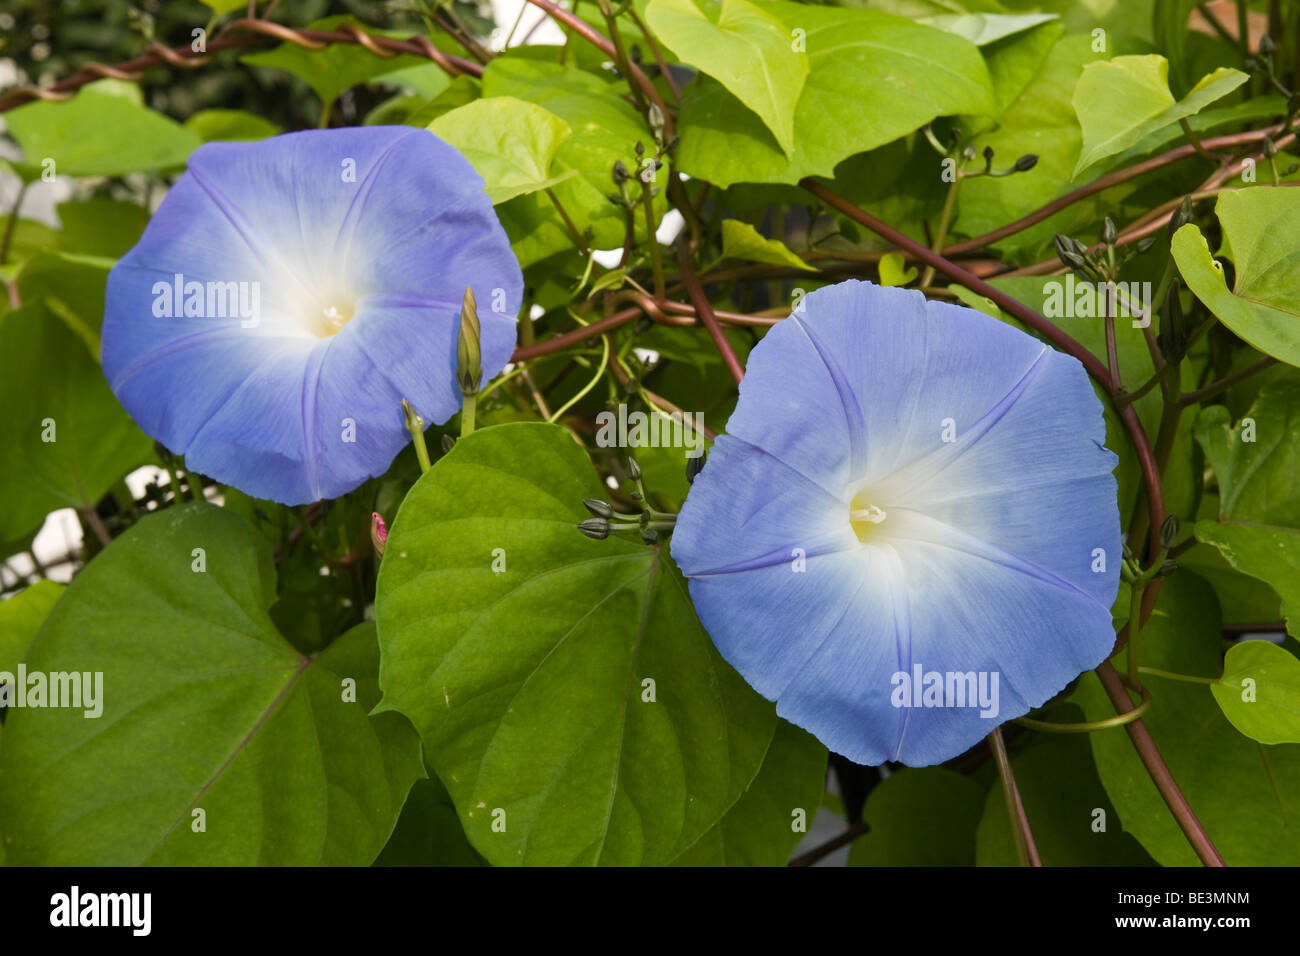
x: 339, y: 260
x: 951, y: 477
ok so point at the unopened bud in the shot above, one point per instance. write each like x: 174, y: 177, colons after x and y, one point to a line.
x: 633, y: 469
x: 620, y: 171
x: 448, y: 443
x: 378, y: 534
x: 1144, y: 245
x: 693, y: 467
x: 414, y: 423
x: 1026, y: 162
x: 1169, y: 531
x: 469, y: 368
x: 601, y: 509
x: 1108, y: 231
x: 1266, y: 45
x: 1181, y: 217
x: 595, y: 528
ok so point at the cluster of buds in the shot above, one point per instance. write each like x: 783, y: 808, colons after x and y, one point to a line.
x: 647, y: 168
x: 1103, y: 262
x: 605, y: 521
x: 967, y: 155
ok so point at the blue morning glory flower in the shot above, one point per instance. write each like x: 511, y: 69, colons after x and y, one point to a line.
x: 909, y: 533
x: 289, y: 293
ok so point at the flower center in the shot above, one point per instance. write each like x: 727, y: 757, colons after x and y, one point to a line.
x: 866, y: 516
x: 327, y: 315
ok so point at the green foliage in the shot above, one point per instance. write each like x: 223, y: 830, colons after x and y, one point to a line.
x: 1260, y: 692
x: 914, y: 73
x: 510, y: 142
x: 1121, y: 102
x: 53, y: 135
x: 1257, y: 225
x: 1244, y: 795
x: 67, y: 439
x: 224, y: 717
x: 529, y: 693
x: 925, y: 817
x: 744, y: 48
x: 548, y: 699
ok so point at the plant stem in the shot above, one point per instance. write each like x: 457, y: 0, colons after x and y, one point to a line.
x: 704, y: 311
x: 656, y: 256
x: 1160, y: 774
x: 1026, y: 850
x: 1134, y: 630
x: 1191, y: 398
x: 12, y: 223
x: 1170, y: 675
x: 945, y: 221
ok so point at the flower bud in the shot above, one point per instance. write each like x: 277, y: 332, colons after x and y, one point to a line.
x: 1181, y: 217
x: 633, y: 469
x: 601, y: 509
x: 414, y: 423
x: 620, y: 171
x: 1169, y: 531
x: 469, y: 367
x: 448, y: 443
x: 1026, y: 162
x: 378, y: 533
x: 595, y: 528
x: 693, y: 467
x: 1108, y: 231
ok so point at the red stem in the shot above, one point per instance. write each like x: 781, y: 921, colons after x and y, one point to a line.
x: 704, y: 311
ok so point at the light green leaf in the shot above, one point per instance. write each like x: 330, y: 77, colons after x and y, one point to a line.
x: 985, y: 28
x: 204, y: 706
x: 760, y: 829
x: 605, y: 129
x: 66, y: 438
x: 747, y: 50
x: 1035, y: 116
x: 510, y: 142
x: 21, y: 616
x: 220, y: 7
x: 894, y: 270
x: 920, y: 817
x: 1123, y: 100
x: 740, y: 240
x: 224, y: 125
x: 529, y: 685
x: 1259, y: 226
x: 1247, y: 796
x: 871, y: 79
x: 99, y: 132
x: 1267, y: 708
